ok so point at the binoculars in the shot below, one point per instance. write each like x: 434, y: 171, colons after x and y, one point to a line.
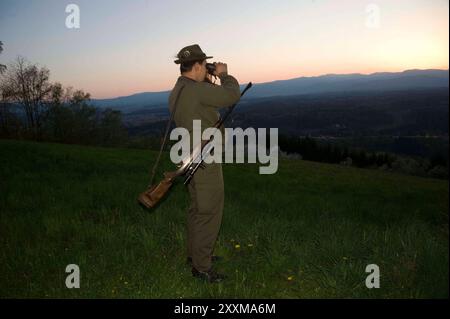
x: 211, y: 68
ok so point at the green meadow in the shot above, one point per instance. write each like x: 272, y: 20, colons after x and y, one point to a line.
x: 308, y: 231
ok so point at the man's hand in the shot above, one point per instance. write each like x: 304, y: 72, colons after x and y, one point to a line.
x: 220, y: 68
x: 209, y: 78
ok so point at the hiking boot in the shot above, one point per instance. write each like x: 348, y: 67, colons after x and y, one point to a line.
x: 213, y: 259
x: 210, y: 276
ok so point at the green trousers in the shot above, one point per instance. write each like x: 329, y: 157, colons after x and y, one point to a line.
x: 206, y: 190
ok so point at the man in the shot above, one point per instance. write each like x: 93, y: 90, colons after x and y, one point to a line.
x: 195, y: 98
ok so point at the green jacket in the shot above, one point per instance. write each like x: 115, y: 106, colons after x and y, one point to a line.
x: 201, y: 100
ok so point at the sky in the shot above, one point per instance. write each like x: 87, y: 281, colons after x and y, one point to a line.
x: 127, y: 47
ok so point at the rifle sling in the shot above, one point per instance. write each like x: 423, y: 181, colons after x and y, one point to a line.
x: 169, y: 122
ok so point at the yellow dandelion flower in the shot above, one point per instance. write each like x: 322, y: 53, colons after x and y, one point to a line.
x: 237, y: 246
x: 290, y: 278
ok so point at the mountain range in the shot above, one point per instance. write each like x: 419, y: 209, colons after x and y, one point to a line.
x: 355, y: 82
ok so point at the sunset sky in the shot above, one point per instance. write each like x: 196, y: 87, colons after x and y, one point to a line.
x: 126, y: 47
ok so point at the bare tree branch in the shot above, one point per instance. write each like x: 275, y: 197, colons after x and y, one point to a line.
x: 28, y: 85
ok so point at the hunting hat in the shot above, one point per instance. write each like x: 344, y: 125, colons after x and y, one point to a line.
x: 191, y: 53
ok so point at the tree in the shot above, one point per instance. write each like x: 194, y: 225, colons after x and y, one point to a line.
x: 84, y: 117
x: 8, y: 120
x: 2, y: 66
x: 113, y: 132
x: 29, y: 86
x: 70, y: 119
x: 59, y: 122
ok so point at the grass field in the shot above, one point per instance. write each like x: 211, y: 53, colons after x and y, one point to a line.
x: 307, y: 231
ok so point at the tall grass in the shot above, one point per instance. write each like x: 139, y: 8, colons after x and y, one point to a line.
x: 307, y: 231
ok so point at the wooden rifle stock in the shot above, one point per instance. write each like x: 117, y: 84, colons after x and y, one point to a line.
x: 155, y: 193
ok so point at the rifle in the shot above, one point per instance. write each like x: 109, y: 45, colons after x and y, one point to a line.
x: 155, y: 193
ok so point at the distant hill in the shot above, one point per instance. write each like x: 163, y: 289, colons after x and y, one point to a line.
x: 133, y: 102
x: 380, y: 81
x: 411, y: 79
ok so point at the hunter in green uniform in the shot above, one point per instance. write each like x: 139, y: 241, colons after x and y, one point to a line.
x: 193, y: 98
